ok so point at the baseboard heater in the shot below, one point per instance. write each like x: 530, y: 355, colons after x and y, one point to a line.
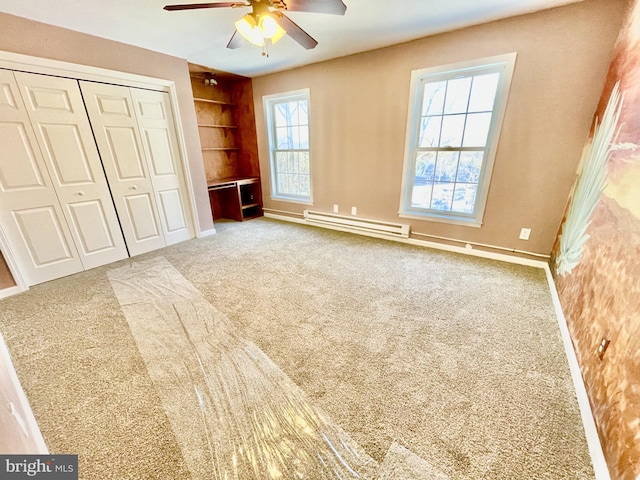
x: 343, y: 222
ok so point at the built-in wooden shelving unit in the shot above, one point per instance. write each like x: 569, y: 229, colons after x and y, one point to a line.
x: 226, y: 124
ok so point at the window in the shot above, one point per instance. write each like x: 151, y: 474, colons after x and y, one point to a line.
x: 287, y: 118
x: 454, y: 123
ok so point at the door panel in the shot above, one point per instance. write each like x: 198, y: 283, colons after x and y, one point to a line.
x: 115, y: 128
x: 19, y: 167
x: 42, y: 232
x: 155, y: 119
x: 159, y: 148
x: 125, y: 153
x: 30, y: 212
x: 140, y: 212
x: 91, y: 227
x: 170, y: 201
x: 68, y: 158
x: 46, y: 97
x: 56, y: 110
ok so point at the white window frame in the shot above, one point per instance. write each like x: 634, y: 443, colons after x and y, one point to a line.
x: 268, y: 103
x: 500, y: 63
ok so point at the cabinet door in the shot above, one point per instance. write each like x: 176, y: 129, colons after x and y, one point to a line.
x: 159, y: 136
x: 30, y: 213
x: 59, y: 119
x: 112, y: 116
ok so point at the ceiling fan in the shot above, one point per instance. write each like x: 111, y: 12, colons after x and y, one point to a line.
x: 266, y: 22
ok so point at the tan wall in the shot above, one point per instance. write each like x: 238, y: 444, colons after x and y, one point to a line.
x: 6, y: 279
x: 27, y: 37
x: 359, y: 113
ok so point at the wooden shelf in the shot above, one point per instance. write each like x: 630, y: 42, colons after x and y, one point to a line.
x: 251, y: 205
x: 216, y: 126
x: 231, y: 181
x: 216, y: 102
x: 219, y: 149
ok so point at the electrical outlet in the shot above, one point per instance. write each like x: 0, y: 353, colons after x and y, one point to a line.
x: 335, y: 208
x: 354, y: 210
x: 524, y: 233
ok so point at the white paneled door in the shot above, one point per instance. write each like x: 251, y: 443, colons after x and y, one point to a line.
x: 90, y: 173
x: 115, y: 127
x: 61, y: 127
x: 30, y: 213
x: 159, y: 136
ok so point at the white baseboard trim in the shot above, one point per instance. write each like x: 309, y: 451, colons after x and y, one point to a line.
x: 7, y: 292
x: 424, y: 243
x: 207, y: 233
x: 591, y: 433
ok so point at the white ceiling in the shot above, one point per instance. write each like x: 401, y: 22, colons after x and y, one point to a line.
x: 201, y: 36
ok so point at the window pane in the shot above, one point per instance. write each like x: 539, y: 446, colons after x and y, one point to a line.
x: 303, y: 137
x: 294, y: 184
x: 457, y: 95
x: 305, y: 185
x: 464, y: 198
x: 303, y: 113
x: 304, y: 162
x: 442, y: 196
x: 292, y: 163
x: 295, y: 118
x: 469, y: 168
x: 433, y: 98
x: 477, y: 129
x: 446, y: 166
x: 483, y: 92
x: 295, y: 137
x: 421, y: 196
x: 281, y: 161
x: 281, y: 114
x: 430, y: 131
x: 282, y: 182
x: 452, y: 127
x: 425, y: 167
x: 282, y: 138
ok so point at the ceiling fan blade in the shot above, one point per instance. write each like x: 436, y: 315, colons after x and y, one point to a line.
x: 295, y: 32
x: 236, y: 40
x: 332, y: 7
x: 191, y: 6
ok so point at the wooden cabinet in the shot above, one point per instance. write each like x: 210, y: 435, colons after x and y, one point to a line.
x: 226, y: 124
x: 236, y: 198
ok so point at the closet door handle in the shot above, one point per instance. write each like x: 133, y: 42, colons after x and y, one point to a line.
x: 81, y: 194
x: 134, y: 187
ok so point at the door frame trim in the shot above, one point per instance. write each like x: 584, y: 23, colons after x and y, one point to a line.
x: 58, y: 68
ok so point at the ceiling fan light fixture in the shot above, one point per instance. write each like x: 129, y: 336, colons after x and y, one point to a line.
x: 270, y: 27
x: 249, y: 29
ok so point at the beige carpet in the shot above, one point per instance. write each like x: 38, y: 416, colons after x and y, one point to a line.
x: 453, y: 360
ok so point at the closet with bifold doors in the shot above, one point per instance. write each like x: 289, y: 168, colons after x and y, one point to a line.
x: 90, y: 173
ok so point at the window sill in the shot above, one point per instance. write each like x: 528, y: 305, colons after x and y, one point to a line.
x: 464, y: 222
x: 292, y: 200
